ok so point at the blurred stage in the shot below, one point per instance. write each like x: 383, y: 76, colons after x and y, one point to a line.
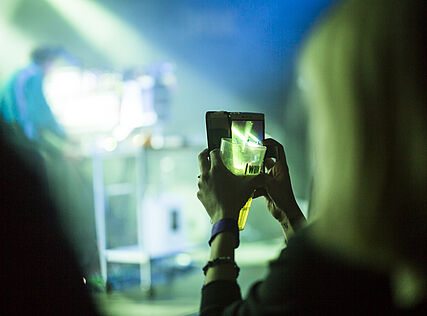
x: 181, y: 296
x: 132, y: 102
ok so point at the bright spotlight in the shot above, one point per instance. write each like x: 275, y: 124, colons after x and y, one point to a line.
x: 83, y: 101
x: 99, y: 27
x: 183, y: 259
x: 109, y: 144
x: 121, y: 132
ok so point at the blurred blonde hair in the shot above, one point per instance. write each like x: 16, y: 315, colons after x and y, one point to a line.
x: 364, y: 69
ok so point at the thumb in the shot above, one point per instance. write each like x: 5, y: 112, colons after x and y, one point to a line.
x: 259, y: 192
x: 216, y: 160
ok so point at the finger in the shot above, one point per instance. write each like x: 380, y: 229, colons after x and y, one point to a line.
x: 259, y: 192
x: 199, y: 195
x: 216, y: 161
x: 269, y: 163
x: 274, y: 150
x: 204, y: 164
x: 261, y: 184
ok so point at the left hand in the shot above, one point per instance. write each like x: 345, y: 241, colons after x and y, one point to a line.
x: 221, y: 192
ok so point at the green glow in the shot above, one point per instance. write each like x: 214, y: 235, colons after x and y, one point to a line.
x: 243, y: 215
x: 103, y: 30
x: 248, y: 128
x: 253, y: 138
x: 235, y: 131
x: 15, y: 53
x: 8, y: 7
x: 240, y: 160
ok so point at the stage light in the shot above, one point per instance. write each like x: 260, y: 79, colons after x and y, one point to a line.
x: 183, y: 260
x: 157, y: 141
x: 137, y: 103
x: 121, y: 132
x: 169, y: 80
x: 109, y: 144
x: 63, y: 82
x: 16, y: 46
x: 138, y: 140
x: 82, y: 101
x: 146, y: 82
x: 101, y: 28
x: 85, y: 102
x: 123, y: 46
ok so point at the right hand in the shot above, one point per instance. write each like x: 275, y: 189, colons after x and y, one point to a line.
x: 278, y: 190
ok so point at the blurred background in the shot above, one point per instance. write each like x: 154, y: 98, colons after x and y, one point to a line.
x: 129, y: 91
